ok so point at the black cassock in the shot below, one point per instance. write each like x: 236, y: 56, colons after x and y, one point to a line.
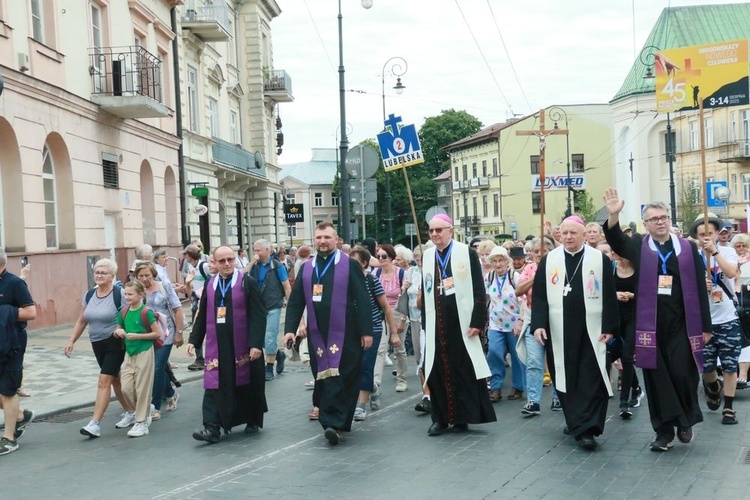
x: 586, y: 398
x: 672, y: 388
x: 457, y: 396
x: 231, y: 405
x: 336, y: 397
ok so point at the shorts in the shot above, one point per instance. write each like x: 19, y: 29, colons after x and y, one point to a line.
x: 725, y: 344
x: 110, y: 353
x: 11, y: 374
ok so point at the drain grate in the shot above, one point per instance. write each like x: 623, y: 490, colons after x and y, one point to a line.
x: 65, y: 417
x: 744, y: 456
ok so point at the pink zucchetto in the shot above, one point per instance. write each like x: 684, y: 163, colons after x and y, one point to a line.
x: 444, y: 218
x: 575, y: 218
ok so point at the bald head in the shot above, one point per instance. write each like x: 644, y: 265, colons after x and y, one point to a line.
x: 572, y: 234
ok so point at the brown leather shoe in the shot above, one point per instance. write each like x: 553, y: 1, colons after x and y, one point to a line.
x: 495, y: 396
x: 516, y: 394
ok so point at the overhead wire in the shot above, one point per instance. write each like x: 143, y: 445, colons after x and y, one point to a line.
x: 320, y: 38
x: 507, y: 53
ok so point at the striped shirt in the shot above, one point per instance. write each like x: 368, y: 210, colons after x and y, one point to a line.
x: 375, y: 290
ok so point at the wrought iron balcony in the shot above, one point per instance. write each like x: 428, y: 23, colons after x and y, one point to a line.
x: 126, y: 81
x: 209, y: 22
x: 277, y: 85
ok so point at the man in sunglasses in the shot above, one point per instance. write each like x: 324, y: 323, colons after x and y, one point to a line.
x: 673, y: 320
x: 454, y: 314
x: 231, y: 323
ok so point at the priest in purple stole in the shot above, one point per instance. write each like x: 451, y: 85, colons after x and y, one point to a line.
x: 230, y: 325
x: 673, y: 318
x: 339, y: 327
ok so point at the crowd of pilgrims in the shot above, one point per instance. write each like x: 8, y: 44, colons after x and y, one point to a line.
x: 385, y: 309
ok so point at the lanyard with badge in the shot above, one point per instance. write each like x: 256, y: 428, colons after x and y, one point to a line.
x: 501, y: 284
x: 446, y: 282
x: 665, y: 281
x: 221, y: 311
x: 317, y: 294
x: 717, y: 295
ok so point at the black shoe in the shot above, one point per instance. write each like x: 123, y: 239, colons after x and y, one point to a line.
x: 28, y: 417
x: 251, y: 429
x: 685, y: 435
x: 436, y: 429
x: 280, y: 361
x: 460, y: 427
x: 424, y: 406
x: 635, y: 398
x: 566, y: 430
x: 206, y: 435
x: 625, y: 412
x: 587, y: 442
x: 196, y: 366
x: 663, y: 442
x: 332, y: 435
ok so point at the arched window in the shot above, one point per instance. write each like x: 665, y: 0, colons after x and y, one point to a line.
x: 50, y: 200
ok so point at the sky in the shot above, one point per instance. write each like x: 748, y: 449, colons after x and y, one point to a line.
x: 459, y: 54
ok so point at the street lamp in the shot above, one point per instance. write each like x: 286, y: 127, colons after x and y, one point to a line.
x: 344, y: 144
x: 556, y: 114
x: 647, y: 58
x: 398, y: 69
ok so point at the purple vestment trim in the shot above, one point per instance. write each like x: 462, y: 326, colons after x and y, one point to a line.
x: 240, y: 334
x: 645, y: 325
x: 328, y: 355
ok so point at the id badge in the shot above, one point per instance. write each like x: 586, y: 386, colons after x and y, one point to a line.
x: 665, y: 285
x: 221, y: 315
x: 448, y: 286
x: 317, y: 294
x: 717, y: 296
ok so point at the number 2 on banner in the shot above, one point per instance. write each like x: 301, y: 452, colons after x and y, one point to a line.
x: 675, y: 90
x: 399, y: 145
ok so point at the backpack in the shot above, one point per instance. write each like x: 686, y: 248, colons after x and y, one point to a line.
x: 160, y: 318
x: 117, y: 297
x: 401, y: 273
x: 492, y: 275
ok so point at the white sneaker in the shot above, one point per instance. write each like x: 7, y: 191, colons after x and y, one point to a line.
x: 138, y: 430
x: 360, y: 414
x: 91, y: 430
x: 150, y: 416
x: 128, y: 419
x: 401, y: 386
x: 388, y: 361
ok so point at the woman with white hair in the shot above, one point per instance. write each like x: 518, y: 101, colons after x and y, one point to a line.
x: 504, y: 313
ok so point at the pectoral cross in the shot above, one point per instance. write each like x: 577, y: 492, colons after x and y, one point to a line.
x: 567, y: 288
x: 441, y: 287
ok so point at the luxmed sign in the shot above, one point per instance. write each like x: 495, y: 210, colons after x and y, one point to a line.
x: 558, y: 182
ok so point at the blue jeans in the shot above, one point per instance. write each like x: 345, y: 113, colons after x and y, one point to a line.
x: 534, y: 368
x: 499, y: 344
x: 272, y: 331
x: 162, y: 386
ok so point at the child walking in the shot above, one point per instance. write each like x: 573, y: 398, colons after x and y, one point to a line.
x: 137, y: 375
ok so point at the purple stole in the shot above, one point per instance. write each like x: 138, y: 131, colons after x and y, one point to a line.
x: 239, y: 323
x: 328, y: 355
x: 645, y: 325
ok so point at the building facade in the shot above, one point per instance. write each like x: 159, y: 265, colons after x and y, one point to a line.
x: 495, y: 172
x: 231, y: 129
x: 311, y: 184
x: 88, y: 150
x: 642, y: 171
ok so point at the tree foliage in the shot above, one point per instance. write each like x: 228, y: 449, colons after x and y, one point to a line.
x: 690, y: 202
x: 586, y: 208
x: 439, y: 131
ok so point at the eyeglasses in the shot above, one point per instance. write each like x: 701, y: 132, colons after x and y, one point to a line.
x: 382, y: 256
x: 101, y: 273
x: 657, y: 220
x: 228, y: 260
x: 437, y: 230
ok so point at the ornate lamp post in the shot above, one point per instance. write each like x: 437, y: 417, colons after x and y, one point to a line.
x: 396, y: 66
x: 647, y: 58
x: 556, y: 113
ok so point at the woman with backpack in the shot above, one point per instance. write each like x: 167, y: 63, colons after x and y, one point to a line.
x: 161, y: 298
x: 99, y: 309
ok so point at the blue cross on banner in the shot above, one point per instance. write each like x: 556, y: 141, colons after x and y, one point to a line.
x: 399, y: 145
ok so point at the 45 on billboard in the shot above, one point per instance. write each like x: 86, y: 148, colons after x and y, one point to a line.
x: 399, y: 145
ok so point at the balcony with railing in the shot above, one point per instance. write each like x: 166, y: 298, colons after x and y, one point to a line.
x: 735, y: 151
x: 209, y: 22
x: 126, y: 81
x: 237, y: 157
x: 277, y: 85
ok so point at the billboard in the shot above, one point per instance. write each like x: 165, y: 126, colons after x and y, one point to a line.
x: 558, y: 182
x: 717, y: 73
